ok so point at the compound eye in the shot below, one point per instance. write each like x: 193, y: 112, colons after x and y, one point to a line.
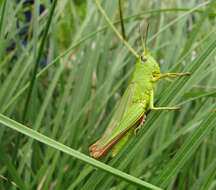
x: 143, y: 58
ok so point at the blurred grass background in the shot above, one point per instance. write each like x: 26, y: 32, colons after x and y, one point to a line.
x: 83, y: 69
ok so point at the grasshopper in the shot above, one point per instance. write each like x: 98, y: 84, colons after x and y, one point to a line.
x: 130, y: 112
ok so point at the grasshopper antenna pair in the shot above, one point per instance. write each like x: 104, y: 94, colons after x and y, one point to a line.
x: 144, y: 43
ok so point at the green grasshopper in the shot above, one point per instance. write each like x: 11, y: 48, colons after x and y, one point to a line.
x: 130, y: 112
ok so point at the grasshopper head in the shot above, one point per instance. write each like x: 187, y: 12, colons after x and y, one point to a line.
x: 149, y: 62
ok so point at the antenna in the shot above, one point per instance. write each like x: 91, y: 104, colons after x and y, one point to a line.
x: 141, y: 36
x: 144, y: 42
x: 146, y: 35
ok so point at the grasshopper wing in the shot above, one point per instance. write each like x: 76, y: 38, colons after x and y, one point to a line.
x: 120, y: 111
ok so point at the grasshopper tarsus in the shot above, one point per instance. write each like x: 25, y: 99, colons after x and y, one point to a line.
x: 143, y: 118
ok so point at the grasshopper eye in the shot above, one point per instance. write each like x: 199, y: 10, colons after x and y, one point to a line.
x: 144, y: 58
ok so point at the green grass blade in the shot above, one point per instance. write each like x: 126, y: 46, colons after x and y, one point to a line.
x: 37, y: 61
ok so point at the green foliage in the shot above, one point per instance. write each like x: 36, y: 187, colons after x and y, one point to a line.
x: 74, y: 95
